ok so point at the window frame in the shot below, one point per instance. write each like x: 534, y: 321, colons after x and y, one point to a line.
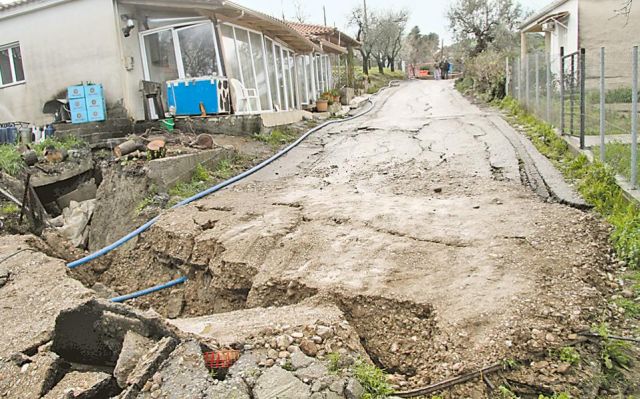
x: 15, y: 81
x: 174, y: 29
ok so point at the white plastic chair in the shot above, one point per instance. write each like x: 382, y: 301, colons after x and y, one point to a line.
x: 242, y: 97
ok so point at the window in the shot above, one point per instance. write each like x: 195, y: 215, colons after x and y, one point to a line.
x: 180, y: 52
x: 11, y: 68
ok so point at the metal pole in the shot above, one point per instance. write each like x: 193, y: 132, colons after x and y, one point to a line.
x: 634, y: 121
x: 583, y: 99
x: 561, y: 90
x: 508, y: 82
x: 548, y: 63
x: 538, y: 83
x: 572, y: 100
x: 519, y: 69
x: 602, y: 105
x: 527, y: 76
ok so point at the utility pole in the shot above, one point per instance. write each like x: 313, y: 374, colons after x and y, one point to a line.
x: 324, y: 11
x: 366, y: 21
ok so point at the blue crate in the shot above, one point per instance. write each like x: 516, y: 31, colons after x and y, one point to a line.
x: 96, y: 114
x: 93, y: 90
x: 76, y: 104
x: 79, y: 116
x: 185, y: 95
x: 95, y: 102
x: 75, y: 92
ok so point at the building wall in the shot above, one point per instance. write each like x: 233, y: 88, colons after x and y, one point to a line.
x: 61, y: 46
x: 601, y: 27
x: 567, y: 37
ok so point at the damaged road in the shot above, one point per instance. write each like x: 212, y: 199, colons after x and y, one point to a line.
x: 423, y: 237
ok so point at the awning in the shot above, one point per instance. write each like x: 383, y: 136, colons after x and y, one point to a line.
x: 237, y: 14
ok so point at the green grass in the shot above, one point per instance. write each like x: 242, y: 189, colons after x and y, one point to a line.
x: 198, y: 183
x: 618, y: 156
x: 569, y: 355
x: 596, y: 182
x: 66, y: 142
x: 277, y: 137
x: 378, y: 80
x: 372, y: 379
x: 11, y: 162
x: 631, y: 307
x: 334, y: 362
x: 9, y: 209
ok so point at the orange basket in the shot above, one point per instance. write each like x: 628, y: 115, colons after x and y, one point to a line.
x: 221, y: 359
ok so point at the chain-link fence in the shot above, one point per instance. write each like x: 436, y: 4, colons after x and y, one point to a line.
x: 585, y: 95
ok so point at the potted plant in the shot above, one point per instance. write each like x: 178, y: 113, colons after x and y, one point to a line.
x: 322, y: 104
x: 335, y: 95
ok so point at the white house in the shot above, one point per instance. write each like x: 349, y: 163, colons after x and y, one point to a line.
x: 48, y: 45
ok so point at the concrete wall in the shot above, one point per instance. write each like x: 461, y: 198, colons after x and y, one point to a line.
x: 601, y: 27
x: 61, y: 45
x: 567, y: 37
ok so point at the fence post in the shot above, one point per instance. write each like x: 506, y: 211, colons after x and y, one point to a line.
x: 634, y: 121
x: 583, y: 99
x: 538, y: 84
x: 572, y: 95
x: 602, y: 105
x: 519, y: 64
x: 508, y: 77
x: 527, y: 87
x: 548, y: 63
x: 561, y: 90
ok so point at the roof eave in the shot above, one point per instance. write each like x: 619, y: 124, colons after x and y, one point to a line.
x: 530, y: 22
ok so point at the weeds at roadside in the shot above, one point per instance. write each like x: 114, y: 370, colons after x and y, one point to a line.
x: 372, y: 379
x: 11, y: 162
x: 185, y: 190
x: 569, y: 355
x: 9, y: 209
x: 334, y: 362
x: 277, y: 137
x: 148, y: 200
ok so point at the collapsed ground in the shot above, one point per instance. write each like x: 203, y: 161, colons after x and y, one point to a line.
x: 415, y: 225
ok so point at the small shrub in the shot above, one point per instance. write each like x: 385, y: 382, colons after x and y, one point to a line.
x: 334, y: 362
x: 569, y: 355
x: 9, y: 209
x: 277, y: 137
x: 11, y: 162
x: 197, y: 184
x: 69, y: 142
x: 373, y: 380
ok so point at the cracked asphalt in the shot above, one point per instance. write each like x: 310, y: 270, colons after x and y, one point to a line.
x: 422, y: 199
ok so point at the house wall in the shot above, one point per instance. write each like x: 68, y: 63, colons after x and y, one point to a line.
x: 601, y: 27
x: 567, y: 37
x: 61, y: 46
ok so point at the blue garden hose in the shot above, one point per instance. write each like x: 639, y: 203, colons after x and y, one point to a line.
x: 149, y: 290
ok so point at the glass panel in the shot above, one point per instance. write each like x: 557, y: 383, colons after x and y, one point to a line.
x: 292, y: 84
x: 246, y: 65
x: 198, y: 51
x: 316, y: 66
x: 230, y: 59
x: 310, y: 80
x: 302, y: 84
x: 161, y: 56
x: 287, y: 75
x: 17, y: 63
x: 279, y: 71
x: 273, y: 78
x: 5, y: 67
x: 261, y: 73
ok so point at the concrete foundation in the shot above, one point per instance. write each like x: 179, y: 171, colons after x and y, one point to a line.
x: 167, y: 172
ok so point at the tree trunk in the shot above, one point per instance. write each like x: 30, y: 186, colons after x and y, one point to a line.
x: 381, y: 66
x: 126, y: 148
x: 392, y: 64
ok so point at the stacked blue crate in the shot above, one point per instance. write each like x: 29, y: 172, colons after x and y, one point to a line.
x: 188, y: 96
x: 86, y: 103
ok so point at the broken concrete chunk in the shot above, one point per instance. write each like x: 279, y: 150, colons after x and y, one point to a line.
x: 234, y: 388
x: 175, y: 304
x: 182, y: 375
x: 281, y: 384
x: 81, y: 385
x: 312, y: 372
x: 300, y: 360
x: 31, y: 380
x: 246, y: 368
x: 151, y: 361
x: 134, y: 347
x: 104, y: 292
x: 353, y: 390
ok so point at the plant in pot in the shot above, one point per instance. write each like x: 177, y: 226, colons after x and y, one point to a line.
x: 335, y: 95
x: 322, y: 104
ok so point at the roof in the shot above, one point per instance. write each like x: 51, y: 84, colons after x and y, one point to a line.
x: 240, y: 15
x: 540, y: 14
x: 15, y: 4
x: 330, y: 34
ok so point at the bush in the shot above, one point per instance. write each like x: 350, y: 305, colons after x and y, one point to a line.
x: 10, y: 160
x: 487, y: 72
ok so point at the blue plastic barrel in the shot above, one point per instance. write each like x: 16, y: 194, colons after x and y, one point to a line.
x: 12, y: 134
x: 3, y: 135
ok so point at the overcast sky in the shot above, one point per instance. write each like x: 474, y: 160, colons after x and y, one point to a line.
x: 429, y: 15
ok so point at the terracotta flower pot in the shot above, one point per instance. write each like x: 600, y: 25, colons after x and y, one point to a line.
x: 322, y: 105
